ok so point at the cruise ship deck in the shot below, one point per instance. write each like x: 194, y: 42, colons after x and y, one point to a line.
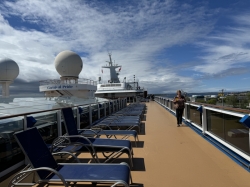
x: 168, y: 155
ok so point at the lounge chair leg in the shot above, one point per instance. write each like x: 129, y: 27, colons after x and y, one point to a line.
x: 131, y: 159
x: 131, y: 178
x: 137, y: 138
x: 135, y: 143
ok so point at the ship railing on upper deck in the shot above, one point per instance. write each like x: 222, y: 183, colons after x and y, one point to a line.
x: 68, y: 81
x: 49, y: 123
x: 220, y: 123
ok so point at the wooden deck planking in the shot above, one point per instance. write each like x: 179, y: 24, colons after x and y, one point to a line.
x: 177, y: 156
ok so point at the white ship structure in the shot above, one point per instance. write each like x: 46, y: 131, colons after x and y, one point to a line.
x: 69, y: 87
x: 114, y: 88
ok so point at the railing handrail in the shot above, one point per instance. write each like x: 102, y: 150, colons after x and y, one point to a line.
x: 42, y: 111
x: 216, y: 106
x: 59, y: 81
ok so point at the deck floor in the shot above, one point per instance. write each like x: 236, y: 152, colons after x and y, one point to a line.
x: 168, y: 155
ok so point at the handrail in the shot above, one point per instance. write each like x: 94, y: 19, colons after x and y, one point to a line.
x: 75, y: 81
x: 39, y: 111
x: 224, y: 107
x: 48, y: 110
x: 216, y: 106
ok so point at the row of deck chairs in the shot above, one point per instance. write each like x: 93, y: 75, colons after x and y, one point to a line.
x: 127, y: 121
x: 127, y: 118
x: 42, y: 162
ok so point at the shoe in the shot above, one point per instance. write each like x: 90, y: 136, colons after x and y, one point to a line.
x: 178, y: 125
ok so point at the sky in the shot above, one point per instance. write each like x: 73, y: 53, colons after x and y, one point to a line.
x: 193, y: 45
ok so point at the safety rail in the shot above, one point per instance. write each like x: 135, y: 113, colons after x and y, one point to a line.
x: 221, y: 125
x: 68, y: 81
x: 50, y: 125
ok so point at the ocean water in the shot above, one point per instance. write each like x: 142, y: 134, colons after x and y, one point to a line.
x: 11, y: 97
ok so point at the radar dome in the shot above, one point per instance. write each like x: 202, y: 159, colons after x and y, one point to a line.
x: 9, y: 70
x: 68, y: 64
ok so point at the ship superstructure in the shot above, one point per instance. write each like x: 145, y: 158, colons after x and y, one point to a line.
x: 114, y: 88
x: 69, y: 87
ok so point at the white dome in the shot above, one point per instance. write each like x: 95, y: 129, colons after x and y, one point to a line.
x: 9, y: 70
x: 68, y: 64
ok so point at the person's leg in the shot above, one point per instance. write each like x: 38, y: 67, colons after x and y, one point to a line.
x: 177, y: 116
x: 180, y: 116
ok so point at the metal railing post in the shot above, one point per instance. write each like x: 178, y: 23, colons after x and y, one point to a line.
x: 98, y: 111
x: 78, y: 118
x: 104, y: 106
x: 109, y: 109
x: 25, y: 122
x: 119, y: 104
x: 204, y: 120
x: 59, y: 122
x: 185, y: 111
x: 90, y: 114
x: 26, y: 160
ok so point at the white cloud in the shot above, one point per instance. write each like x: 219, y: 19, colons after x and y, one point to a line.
x: 134, y: 32
x: 228, y: 49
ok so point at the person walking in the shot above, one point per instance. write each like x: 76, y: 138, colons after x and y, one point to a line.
x: 179, y: 103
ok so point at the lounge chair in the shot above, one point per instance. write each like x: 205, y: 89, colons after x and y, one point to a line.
x: 109, y: 133
x: 114, y: 146
x: 43, y: 163
x: 97, y: 132
x: 118, y: 123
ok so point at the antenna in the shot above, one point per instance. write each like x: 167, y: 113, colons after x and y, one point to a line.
x: 222, y: 95
x: 222, y: 92
x: 110, y: 59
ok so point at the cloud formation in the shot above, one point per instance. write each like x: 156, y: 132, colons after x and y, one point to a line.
x: 137, y: 33
x: 226, y: 50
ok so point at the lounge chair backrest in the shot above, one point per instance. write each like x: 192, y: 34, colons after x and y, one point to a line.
x: 33, y: 146
x: 69, y: 121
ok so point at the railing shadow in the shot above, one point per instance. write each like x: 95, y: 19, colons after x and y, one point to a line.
x: 144, y: 117
x: 142, y: 129
x: 139, y: 144
x: 138, y: 163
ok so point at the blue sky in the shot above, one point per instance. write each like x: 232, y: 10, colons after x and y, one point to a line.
x: 194, y: 45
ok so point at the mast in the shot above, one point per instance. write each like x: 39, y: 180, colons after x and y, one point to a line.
x: 113, y: 73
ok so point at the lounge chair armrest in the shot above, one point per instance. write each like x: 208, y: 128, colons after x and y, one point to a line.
x: 80, y: 143
x: 58, y: 142
x: 88, y: 130
x: 98, y: 126
x: 119, y: 183
x: 32, y: 171
x: 99, y: 130
x: 71, y: 154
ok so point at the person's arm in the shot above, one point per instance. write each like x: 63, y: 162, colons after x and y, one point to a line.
x: 174, y: 101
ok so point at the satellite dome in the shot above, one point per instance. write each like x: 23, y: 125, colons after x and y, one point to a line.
x: 68, y: 64
x: 9, y: 70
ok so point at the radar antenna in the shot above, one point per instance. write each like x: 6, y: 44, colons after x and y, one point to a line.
x: 110, y: 59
